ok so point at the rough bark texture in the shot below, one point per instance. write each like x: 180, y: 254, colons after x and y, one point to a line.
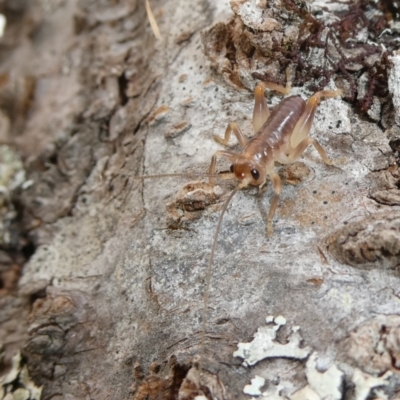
x: 114, y: 288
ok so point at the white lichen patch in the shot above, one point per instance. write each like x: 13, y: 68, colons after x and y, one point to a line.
x: 254, y: 17
x: 394, y: 84
x: 321, y: 385
x: 306, y: 393
x: 335, y: 6
x: 14, y: 371
x: 35, y: 392
x: 365, y: 384
x: 272, y: 393
x: 265, y: 346
x: 280, y: 320
x: 326, y: 384
x: 3, y: 22
x: 254, y: 389
x: 17, y: 385
x: 12, y: 173
x: 12, y: 177
x: 269, y: 319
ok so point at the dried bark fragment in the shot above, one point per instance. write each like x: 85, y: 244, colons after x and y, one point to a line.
x: 252, y: 42
x: 387, y: 183
x: 164, y: 381
x: 202, y: 384
x: 264, y: 38
x: 177, y: 129
x: 295, y: 173
x: 191, y: 200
x: 374, y: 346
x: 62, y: 326
x: 373, y: 242
x: 390, y: 197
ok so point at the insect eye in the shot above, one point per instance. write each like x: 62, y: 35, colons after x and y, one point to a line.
x: 232, y: 168
x: 255, y: 174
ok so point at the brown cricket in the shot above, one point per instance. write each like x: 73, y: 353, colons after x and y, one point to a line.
x: 281, y: 137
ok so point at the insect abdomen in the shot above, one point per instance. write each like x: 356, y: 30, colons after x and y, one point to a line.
x: 282, y: 121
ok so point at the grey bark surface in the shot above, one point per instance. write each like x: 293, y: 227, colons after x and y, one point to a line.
x: 118, y: 276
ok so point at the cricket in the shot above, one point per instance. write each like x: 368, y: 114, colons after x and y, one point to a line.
x: 281, y: 136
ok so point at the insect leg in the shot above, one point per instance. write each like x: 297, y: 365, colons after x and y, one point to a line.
x: 232, y: 128
x: 277, y: 184
x: 303, y: 126
x: 301, y: 147
x: 261, y: 111
x: 221, y: 153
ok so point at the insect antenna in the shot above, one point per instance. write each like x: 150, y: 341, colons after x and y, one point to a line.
x: 209, y: 269
x: 152, y: 20
x: 185, y: 175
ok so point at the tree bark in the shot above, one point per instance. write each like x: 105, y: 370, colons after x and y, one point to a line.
x: 117, y: 279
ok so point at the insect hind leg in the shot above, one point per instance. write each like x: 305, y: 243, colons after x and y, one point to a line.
x: 302, y: 146
x: 261, y: 111
x: 299, y: 140
x: 303, y: 126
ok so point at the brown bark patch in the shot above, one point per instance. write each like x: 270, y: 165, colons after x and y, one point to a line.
x: 373, y: 242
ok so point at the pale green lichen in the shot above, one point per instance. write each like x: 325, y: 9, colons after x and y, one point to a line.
x: 12, y: 177
x: 16, y: 384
